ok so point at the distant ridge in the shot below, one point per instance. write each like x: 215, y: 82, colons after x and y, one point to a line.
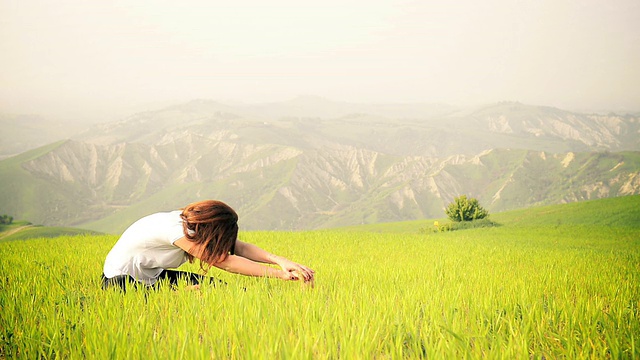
x: 435, y: 121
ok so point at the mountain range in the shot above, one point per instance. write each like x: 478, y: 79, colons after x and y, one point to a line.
x: 315, y: 163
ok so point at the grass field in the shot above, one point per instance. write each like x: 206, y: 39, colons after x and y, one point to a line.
x: 553, y: 282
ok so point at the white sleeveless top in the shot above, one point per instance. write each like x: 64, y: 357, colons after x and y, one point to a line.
x: 147, y: 247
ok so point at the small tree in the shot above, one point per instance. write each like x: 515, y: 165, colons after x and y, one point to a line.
x: 6, y: 219
x: 464, y: 209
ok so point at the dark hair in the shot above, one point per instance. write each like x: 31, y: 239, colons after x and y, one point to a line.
x: 213, y: 226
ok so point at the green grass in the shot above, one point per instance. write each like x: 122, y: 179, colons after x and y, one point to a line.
x: 531, y: 288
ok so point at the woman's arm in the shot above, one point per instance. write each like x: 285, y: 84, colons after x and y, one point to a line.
x: 244, y: 265
x: 240, y: 265
x: 252, y: 252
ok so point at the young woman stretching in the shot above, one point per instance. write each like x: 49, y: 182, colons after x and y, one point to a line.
x: 206, y: 230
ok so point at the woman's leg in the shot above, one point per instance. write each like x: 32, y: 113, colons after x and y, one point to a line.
x: 173, y: 276
x: 119, y: 282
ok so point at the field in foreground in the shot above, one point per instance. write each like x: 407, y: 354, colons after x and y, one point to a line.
x: 546, y: 283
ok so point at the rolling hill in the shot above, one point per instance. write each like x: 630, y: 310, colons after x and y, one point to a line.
x: 275, y: 187
x: 611, y: 213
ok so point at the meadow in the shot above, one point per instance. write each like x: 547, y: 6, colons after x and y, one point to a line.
x: 553, y: 282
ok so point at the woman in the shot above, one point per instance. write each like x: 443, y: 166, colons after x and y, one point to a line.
x: 206, y: 230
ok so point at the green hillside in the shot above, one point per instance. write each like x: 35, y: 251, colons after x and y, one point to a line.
x: 618, y: 212
x: 23, y: 230
x: 621, y: 211
x: 13, y: 227
x: 37, y: 232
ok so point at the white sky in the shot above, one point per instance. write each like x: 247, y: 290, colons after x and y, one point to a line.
x: 98, y: 59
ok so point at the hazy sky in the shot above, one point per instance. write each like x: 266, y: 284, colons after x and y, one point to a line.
x: 98, y: 59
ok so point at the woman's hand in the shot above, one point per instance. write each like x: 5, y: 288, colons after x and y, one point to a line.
x: 290, y: 270
x: 294, y: 271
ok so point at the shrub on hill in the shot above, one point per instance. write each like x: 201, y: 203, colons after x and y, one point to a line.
x: 460, y: 225
x: 465, y: 209
x: 481, y: 223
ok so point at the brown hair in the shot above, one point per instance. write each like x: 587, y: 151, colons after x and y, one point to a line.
x: 212, y: 226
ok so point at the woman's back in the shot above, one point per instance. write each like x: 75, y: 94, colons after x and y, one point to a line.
x: 147, y: 247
